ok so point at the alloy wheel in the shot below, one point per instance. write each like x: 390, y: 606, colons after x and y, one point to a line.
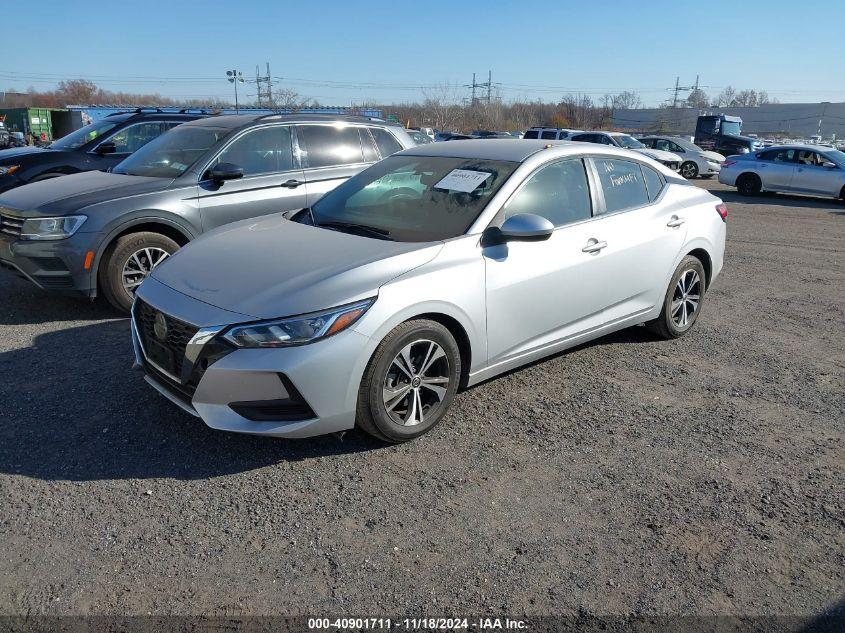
x: 416, y: 382
x: 689, y: 170
x: 686, y: 299
x: 139, y: 266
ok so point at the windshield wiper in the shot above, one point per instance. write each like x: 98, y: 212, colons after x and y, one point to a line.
x: 352, y: 226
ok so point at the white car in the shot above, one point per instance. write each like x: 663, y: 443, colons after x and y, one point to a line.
x: 810, y: 169
x: 626, y: 141
x: 695, y: 162
x: 438, y: 267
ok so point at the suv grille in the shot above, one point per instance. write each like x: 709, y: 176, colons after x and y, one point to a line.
x: 168, y: 354
x: 10, y: 225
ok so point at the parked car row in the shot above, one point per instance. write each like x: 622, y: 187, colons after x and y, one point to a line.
x: 303, y: 274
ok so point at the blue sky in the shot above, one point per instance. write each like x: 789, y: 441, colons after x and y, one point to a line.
x: 349, y: 52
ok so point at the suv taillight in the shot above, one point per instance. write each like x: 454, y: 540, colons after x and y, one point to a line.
x: 722, y: 210
x: 728, y: 163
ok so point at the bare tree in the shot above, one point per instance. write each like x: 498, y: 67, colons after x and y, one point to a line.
x: 725, y: 98
x: 698, y: 99
x: 287, y: 99
x: 627, y: 100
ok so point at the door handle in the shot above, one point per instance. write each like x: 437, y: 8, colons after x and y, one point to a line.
x: 675, y: 221
x: 292, y: 184
x: 593, y: 246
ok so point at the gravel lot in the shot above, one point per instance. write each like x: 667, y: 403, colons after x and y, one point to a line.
x: 628, y: 476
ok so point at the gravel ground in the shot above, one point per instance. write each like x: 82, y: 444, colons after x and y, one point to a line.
x: 628, y: 476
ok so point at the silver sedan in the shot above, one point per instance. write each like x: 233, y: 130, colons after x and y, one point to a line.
x: 805, y: 169
x: 435, y: 269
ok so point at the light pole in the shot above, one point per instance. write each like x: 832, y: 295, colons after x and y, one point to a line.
x: 235, y: 77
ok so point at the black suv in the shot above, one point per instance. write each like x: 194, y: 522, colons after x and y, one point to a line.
x: 98, y: 146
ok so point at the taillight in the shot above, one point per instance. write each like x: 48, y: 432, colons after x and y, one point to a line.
x: 728, y: 163
x: 722, y: 210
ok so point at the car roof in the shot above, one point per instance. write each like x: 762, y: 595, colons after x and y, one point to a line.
x: 512, y: 149
x: 154, y: 114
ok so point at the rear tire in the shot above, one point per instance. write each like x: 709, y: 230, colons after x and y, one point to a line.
x: 689, y: 170
x: 410, y: 381
x: 683, y: 300
x: 128, y: 261
x: 749, y: 184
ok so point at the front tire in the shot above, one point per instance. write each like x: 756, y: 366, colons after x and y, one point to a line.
x: 683, y: 300
x: 130, y: 260
x: 749, y: 185
x: 410, y: 381
x: 689, y: 170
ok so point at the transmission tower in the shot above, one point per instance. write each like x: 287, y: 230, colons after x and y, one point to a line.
x: 264, y: 85
x: 679, y: 88
x: 476, y: 86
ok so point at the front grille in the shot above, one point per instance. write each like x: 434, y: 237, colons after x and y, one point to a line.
x: 10, y: 225
x: 168, y: 354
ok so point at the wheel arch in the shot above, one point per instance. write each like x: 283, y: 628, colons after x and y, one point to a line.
x: 156, y: 224
x: 706, y: 262
x: 461, y: 338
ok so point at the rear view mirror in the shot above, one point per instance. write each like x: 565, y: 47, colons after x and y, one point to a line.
x: 226, y: 171
x: 106, y: 148
x: 522, y: 227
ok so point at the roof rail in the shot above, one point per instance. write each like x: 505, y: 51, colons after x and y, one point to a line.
x: 136, y: 111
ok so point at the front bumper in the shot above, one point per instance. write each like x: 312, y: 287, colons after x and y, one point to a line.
x: 284, y: 392
x: 54, y: 265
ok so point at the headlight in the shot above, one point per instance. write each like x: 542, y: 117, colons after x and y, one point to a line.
x: 51, y: 228
x: 8, y: 169
x: 299, y: 330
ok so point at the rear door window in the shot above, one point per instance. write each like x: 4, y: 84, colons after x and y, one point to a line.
x: 622, y: 183
x: 387, y: 143
x: 531, y: 134
x: 549, y: 135
x: 328, y: 145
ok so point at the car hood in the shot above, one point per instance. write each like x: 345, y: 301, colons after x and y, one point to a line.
x: 68, y: 194
x: 8, y: 155
x: 713, y: 156
x: 272, y: 267
x: 658, y: 154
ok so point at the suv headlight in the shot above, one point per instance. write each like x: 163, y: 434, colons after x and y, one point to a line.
x: 51, y: 228
x: 298, y: 330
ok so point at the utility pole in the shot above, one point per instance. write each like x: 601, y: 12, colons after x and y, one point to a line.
x: 235, y: 77
x: 677, y: 87
x: 475, y: 86
x: 472, y: 101
x: 489, y: 84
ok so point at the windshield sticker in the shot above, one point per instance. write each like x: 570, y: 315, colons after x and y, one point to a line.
x: 463, y: 180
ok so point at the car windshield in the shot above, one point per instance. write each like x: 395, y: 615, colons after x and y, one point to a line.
x: 629, y: 142
x: 170, y: 155
x: 686, y: 144
x: 84, y: 135
x: 414, y: 198
x: 836, y: 156
x: 733, y: 128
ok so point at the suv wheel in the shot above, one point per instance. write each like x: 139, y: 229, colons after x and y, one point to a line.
x: 410, y: 381
x: 689, y: 170
x: 130, y: 260
x: 749, y: 184
x: 683, y: 300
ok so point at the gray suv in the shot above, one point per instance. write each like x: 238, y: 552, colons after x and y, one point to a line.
x: 105, y: 232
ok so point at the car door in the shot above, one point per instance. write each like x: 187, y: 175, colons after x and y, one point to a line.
x: 643, y: 233
x: 271, y: 183
x: 776, y: 168
x: 539, y: 293
x: 329, y: 154
x: 126, y: 141
x: 811, y: 176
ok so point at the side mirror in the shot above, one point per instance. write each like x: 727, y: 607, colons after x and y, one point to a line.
x: 226, y: 171
x: 106, y: 148
x: 522, y: 227
x: 829, y: 164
